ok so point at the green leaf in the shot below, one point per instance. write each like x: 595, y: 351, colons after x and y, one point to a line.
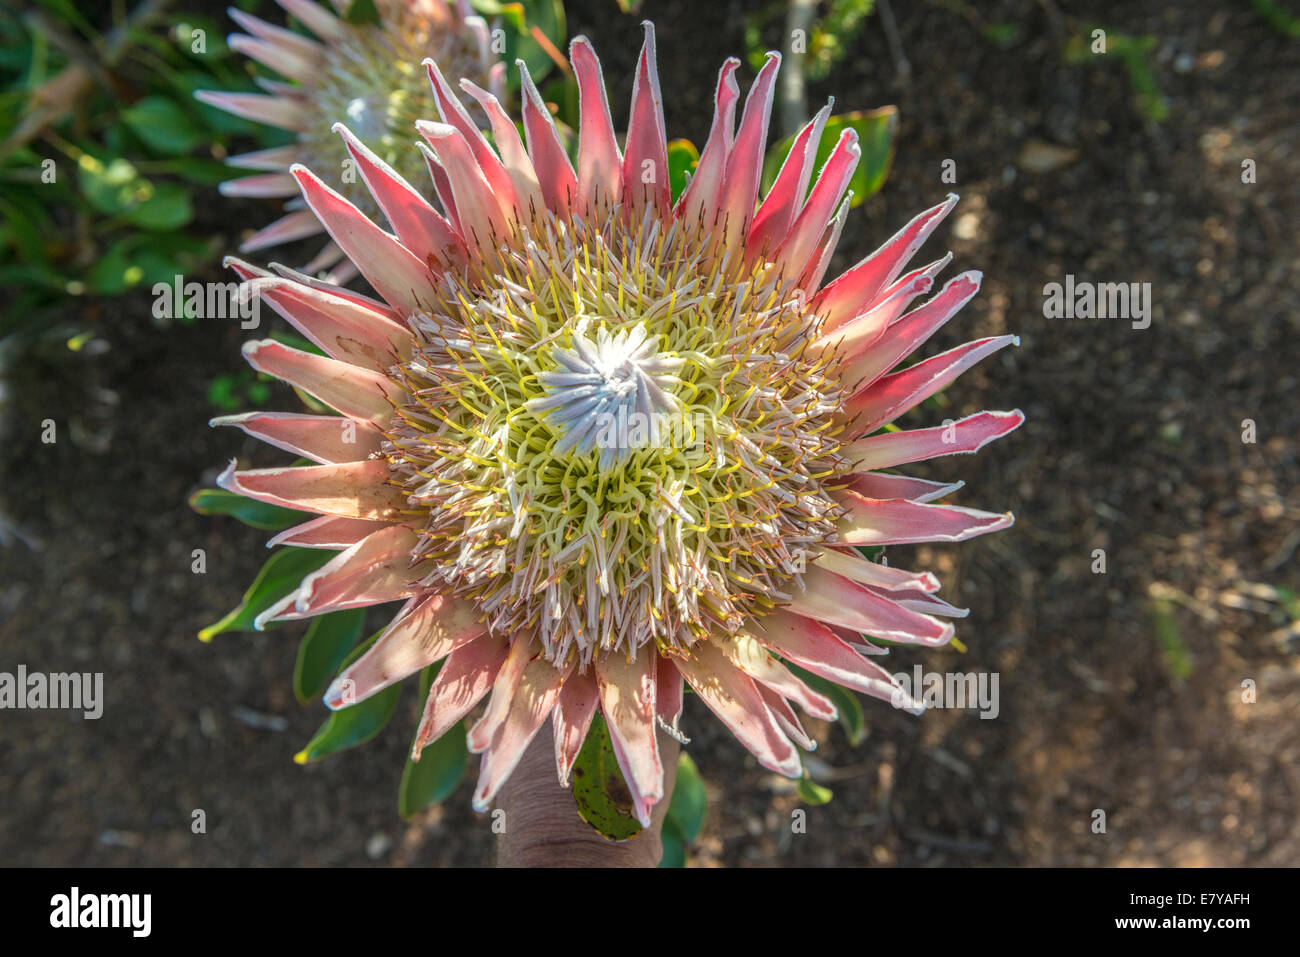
x: 115, y: 271
x: 674, y: 845
x: 166, y: 208
x: 111, y: 187
x: 518, y: 20
x: 875, y: 129
x: 362, y: 13
x: 282, y: 573
x: 163, y: 125
x: 217, y: 501
x: 441, y: 767
x: 1278, y: 17
x: 322, y: 650
x: 683, y: 157
x: 602, y: 795
x: 845, y: 700
x: 355, y: 724
x: 437, y: 774
x: 1173, y: 650
x: 690, y: 801
x: 810, y: 792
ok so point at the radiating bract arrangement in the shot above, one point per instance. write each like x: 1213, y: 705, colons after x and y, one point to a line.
x: 603, y: 443
x: 366, y: 74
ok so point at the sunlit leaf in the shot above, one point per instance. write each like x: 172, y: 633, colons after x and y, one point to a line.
x: 217, y: 501
x: 281, y: 574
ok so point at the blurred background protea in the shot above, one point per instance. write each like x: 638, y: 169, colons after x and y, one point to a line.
x: 605, y: 442
x: 361, y: 68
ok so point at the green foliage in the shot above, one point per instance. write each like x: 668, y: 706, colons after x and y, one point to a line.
x: 362, y: 13
x: 217, y: 501
x: 686, y: 813
x: 812, y: 793
x: 829, y: 37
x: 1135, y: 54
x: 355, y: 724
x: 875, y: 129
x: 282, y: 573
x: 238, y: 390
x: 534, y: 32
x: 323, y: 649
x: 105, y: 154
x: 1173, y: 650
x: 683, y: 157
x: 1278, y: 16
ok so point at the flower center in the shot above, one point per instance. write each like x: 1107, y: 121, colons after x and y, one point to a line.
x: 612, y: 393
x: 616, y: 439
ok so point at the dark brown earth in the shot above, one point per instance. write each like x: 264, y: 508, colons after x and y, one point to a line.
x: 1120, y: 691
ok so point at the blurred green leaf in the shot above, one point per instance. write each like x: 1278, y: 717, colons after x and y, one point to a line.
x: 1278, y: 17
x: 114, y: 271
x: 163, y: 125
x: 1135, y: 53
x: 1005, y: 35
x: 362, y: 13
x: 282, y: 573
x: 270, y: 518
x: 810, y: 792
x: 690, y: 801
x: 674, y: 845
x: 518, y: 20
x: 323, y: 649
x: 1173, y: 649
x: 683, y: 157
x: 166, y: 208
x: 111, y: 187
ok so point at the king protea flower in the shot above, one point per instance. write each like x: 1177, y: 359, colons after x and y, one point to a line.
x: 365, y: 74
x: 479, y: 473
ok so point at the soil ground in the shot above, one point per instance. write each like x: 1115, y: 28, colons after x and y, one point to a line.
x: 1120, y: 692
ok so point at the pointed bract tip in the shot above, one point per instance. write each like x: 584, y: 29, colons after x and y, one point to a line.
x: 227, y: 477
x: 436, y: 130
x: 333, y: 697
